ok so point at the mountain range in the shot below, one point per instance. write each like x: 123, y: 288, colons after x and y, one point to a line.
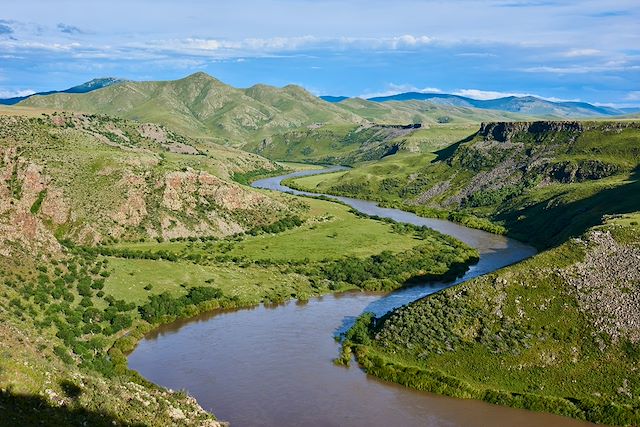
x: 89, y: 86
x: 530, y: 105
x: 205, y: 108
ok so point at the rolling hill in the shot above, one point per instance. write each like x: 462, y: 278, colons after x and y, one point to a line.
x: 201, y: 106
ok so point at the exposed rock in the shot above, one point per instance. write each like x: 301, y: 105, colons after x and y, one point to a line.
x: 432, y: 192
x: 606, y: 285
x: 504, y: 131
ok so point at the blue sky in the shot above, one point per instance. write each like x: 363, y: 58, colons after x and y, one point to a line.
x: 571, y: 50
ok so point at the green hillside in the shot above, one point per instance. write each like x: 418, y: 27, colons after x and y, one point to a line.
x: 556, y: 333
x: 205, y: 108
x: 94, y: 178
x: 543, y: 181
x: 285, y: 123
x: 423, y: 112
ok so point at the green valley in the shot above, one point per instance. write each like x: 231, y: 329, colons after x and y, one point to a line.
x: 111, y: 227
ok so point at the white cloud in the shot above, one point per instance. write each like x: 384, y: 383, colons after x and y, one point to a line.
x: 408, y: 40
x: 577, y: 53
x: 487, y: 94
x: 615, y: 65
x: 477, y: 54
x: 261, y: 46
x: 12, y: 93
x: 633, y: 96
x: 18, y: 45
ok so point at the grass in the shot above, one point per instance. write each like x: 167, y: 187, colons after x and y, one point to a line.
x: 299, y: 166
x: 350, y: 144
x: 251, y: 284
x: 331, y: 231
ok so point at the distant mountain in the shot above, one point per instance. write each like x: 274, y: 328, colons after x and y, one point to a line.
x: 529, y: 105
x: 83, y: 88
x: 203, y: 107
x: 330, y: 98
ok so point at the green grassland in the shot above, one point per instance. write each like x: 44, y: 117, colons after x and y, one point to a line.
x: 525, y: 336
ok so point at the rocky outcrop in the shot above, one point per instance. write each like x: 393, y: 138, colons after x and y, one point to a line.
x: 605, y: 285
x: 504, y: 131
x: 92, y: 178
x: 584, y: 170
x: 23, y: 192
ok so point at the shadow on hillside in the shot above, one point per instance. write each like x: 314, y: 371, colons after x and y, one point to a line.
x: 447, y: 152
x: 30, y: 410
x: 546, y: 227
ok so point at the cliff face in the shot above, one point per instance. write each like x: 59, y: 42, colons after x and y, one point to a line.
x: 507, y: 131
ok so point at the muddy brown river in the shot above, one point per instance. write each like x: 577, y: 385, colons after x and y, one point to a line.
x: 272, y: 366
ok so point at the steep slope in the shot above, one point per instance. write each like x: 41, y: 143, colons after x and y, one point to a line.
x: 557, y: 333
x: 203, y: 107
x: 543, y: 181
x: 392, y: 127
x: 336, y: 144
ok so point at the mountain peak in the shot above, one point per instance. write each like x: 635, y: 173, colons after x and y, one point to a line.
x: 200, y: 76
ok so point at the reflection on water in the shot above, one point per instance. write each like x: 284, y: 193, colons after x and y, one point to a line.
x: 273, y: 366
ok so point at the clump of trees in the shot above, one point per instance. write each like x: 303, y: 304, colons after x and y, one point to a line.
x: 279, y: 226
x: 166, y: 305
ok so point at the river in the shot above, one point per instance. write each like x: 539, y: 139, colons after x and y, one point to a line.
x: 272, y: 365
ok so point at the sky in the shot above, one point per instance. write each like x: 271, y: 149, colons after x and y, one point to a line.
x: 560, y: 50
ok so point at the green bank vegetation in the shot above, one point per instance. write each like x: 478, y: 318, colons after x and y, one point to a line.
x: 524, y: 336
